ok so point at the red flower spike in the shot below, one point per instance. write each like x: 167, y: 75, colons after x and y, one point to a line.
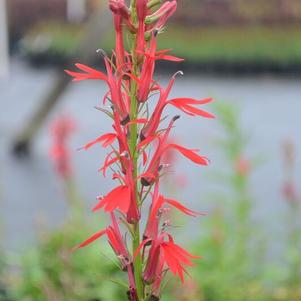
x: 130, y: 79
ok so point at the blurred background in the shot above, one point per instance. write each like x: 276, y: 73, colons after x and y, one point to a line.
x: 244, y: 54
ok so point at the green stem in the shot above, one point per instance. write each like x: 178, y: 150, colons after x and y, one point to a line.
x: 133, y: 139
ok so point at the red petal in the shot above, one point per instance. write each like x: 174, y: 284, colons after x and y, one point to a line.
x: 143, y: 243
x: 144, y: 157
x: 119, y: 197
x: 108, y: 162
x: 171, y: 58
x: 190, y: 154
x: 91, y: 73
x: 197, y: 111
x: 174, y: 266
x: 182, y: 208
x: 183, y: 251
x: 91, y: 239
x: 137, y: 121
x: 191, y: 101
x: 97, y: 74
x: 156, y: 206
x: 146, y: 141
x: 107, y: 140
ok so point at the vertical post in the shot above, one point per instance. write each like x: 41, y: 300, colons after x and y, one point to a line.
x: 4, y: 53
x: 76, y: 10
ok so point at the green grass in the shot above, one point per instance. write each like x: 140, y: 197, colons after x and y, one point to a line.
x: 279, y: 45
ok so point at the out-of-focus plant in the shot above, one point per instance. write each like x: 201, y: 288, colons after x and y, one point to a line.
x: 232, y: 262
x: 4, y: 296
x: 61, y: 130
x: 50, y: 271
x: 293, y: 201
x: 3, y: 290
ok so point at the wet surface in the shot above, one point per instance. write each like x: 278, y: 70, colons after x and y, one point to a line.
x: 30, y: 191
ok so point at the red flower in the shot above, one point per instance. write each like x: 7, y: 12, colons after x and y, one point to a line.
x: 115, y: 239
x: 153, y: 169
x: 114, y: 81
x: 141, y: 7
x: 61, y: 130
x: 105, y: 140
x: 157, y: 210
x: 165, y: 252
x: 118, y: 198
x: 186, y: 105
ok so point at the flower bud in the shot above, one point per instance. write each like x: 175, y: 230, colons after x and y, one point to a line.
x: 119, y: 7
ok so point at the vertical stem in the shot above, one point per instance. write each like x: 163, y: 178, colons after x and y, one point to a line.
x: 136, y: 226
x: 133, y: 143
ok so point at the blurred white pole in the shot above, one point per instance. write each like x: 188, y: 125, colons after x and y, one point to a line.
x: 4, y: 55
x: 76, y: 10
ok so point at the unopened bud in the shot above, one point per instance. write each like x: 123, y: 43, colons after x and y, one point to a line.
x: 119, y: 7
x: 153, y: 3
x: 164, y: 9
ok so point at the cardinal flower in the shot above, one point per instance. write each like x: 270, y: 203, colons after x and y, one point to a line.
x: 141, y: 8
x: 157, y: 211
x: 171, y: 254
x: 118, y: 245
x: 146, y: 82
x: 114, y: 81
x: 186, y: 105
x: 136, y: 146
x: 153, y: 169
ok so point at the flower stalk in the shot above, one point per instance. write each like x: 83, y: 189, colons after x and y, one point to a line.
x: 137, y: 146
